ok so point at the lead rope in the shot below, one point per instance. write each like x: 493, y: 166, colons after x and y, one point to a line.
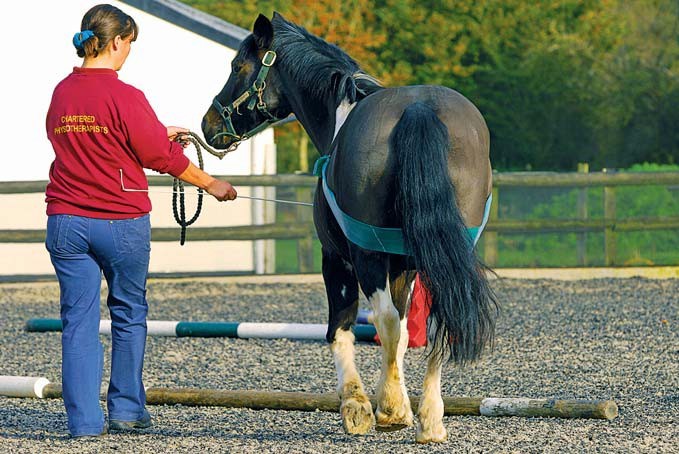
x: 178, y: 185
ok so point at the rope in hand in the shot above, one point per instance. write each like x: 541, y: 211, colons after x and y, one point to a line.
x: 178, y: 185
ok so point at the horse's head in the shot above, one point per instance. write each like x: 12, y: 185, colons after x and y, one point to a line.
x: 251, y: 99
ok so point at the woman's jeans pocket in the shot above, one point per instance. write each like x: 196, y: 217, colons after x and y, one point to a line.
x: 58, y: 226
x: 132, y: 235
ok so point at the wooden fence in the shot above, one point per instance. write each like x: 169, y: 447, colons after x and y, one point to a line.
x: 303, y: 230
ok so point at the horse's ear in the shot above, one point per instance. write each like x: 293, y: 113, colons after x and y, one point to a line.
x: 263, y: 32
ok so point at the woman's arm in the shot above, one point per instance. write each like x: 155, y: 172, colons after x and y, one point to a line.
x: 220, y: 190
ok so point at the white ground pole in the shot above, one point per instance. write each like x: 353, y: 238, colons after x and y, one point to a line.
x: 14, y: 386
x: 310, y: 331
x: 154, y: 328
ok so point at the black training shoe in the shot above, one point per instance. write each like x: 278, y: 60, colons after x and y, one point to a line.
x: 142, y: 423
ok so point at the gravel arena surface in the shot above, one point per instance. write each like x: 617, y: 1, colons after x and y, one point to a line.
x: 590, y: 339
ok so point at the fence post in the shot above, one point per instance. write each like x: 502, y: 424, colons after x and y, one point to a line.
x: 490, y: 238
x: 305, y: 246
x: 303, y: 152
x: 583, y: 167
x: 609, y: 222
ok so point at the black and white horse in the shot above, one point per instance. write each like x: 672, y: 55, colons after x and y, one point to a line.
x: 405, y: 188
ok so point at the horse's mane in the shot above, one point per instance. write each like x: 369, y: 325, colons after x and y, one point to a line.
x: 318, y: 66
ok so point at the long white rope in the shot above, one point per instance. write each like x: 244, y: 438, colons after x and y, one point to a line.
x: 162, y: 191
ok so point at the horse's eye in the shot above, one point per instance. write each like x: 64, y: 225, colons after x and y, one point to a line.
x: 236, y: 67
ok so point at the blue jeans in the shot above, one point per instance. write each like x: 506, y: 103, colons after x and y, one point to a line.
x: 81, y: 249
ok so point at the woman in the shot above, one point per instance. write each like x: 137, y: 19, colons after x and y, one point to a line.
x: 103, y: 131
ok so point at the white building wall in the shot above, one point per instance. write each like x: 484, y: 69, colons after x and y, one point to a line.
x: 179, y: 71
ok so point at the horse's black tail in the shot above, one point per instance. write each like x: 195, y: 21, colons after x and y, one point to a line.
x: 463, y: 309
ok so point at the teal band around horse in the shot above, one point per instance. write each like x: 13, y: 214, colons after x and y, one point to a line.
x: 380, y: 239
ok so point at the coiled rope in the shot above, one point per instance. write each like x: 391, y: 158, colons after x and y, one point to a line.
x: 178, y: 185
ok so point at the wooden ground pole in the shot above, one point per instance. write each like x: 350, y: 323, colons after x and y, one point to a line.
x: 299, y: 401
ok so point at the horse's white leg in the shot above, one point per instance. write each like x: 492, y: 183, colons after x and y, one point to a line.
x: 355, y: 408
x: 393, y: 406
x: 430, y: 413
x: 342, y: 290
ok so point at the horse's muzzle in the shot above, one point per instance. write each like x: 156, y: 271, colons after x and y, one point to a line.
x: 214, y: 134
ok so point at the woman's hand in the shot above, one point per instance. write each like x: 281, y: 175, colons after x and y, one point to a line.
x: 221, y: 190
x: 176, y: 133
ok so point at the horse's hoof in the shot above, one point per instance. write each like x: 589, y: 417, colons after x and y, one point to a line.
x: 390, y: 427
x: 393, y: 421
x: 357, y: 416
x: 436, y: 434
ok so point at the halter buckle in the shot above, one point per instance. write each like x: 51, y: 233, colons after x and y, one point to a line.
x: 269, y: 58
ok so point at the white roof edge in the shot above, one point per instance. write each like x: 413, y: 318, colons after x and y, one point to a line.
x: 187, y: 17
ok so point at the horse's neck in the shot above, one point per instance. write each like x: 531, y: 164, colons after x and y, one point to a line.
x: 324, y: 128
x: 318, y: 123
x: 320, y: 119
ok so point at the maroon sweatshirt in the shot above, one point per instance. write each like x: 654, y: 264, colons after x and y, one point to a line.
x: 99, y: 125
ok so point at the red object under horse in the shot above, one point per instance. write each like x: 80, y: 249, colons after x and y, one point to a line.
x: 417, y: 316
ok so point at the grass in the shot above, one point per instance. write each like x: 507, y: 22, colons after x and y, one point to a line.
x: 286, y: 257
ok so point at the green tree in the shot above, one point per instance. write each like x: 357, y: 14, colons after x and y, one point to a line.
x: 639, y: 88
x: 558, y: 81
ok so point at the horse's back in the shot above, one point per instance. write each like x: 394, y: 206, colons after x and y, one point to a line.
x: 366, y: 164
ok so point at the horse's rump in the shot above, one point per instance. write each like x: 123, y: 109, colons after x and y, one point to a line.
x: 363, y: 168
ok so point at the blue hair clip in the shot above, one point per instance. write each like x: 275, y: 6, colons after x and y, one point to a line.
x: 80, y: 37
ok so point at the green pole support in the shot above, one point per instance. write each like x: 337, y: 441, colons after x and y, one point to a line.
x: 43, y: 325
x: 207, y: 329
x: 365, y: 333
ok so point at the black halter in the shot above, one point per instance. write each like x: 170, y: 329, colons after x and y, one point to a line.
x: 255, y: 94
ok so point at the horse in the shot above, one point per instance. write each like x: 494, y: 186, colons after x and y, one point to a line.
x: 403, y: 172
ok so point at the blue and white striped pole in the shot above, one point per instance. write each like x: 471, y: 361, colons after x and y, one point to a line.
x: 241, y: 330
